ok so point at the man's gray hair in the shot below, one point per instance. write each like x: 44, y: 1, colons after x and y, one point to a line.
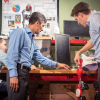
x: 37, y: 16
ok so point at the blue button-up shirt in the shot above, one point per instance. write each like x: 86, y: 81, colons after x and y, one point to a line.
x: 94, y: 29
x: 22, y: 48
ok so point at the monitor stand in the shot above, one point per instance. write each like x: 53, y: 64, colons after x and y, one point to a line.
x: 76, y: 38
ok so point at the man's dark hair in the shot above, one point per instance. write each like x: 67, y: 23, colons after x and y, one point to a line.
x: 81, y: 7
x: 37, y: 16
x: 1, y: 40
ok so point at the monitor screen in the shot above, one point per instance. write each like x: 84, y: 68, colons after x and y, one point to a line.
x: 62, y: 47
x: 73, y: 29
x: 44, y: 45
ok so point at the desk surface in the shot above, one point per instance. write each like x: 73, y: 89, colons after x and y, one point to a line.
x: 56, y: 72
x: 60, y: 75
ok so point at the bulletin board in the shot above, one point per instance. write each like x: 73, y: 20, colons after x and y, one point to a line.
x: 12, y: 14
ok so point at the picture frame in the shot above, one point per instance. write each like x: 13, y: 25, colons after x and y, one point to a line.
x: 18, y: 19
x: 11, y: 23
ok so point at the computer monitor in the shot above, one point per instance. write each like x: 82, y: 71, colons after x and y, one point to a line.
x: 62, y: 47
x: 44, y: 45
x: 73, y: 29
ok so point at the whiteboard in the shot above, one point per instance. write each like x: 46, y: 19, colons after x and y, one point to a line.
x: 13, y: 8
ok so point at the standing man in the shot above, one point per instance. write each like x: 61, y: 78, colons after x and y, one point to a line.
x: 3, y: 84
x: 83, y: 14
x: 22, y: 48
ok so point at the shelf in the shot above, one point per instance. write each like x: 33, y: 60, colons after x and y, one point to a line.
x: 43, y: 37
x: 74, y: 42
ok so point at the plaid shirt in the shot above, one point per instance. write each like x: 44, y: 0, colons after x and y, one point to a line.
x: 94, y: 29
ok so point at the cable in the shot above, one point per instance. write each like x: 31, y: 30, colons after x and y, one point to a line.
x: 77, y: 48
x: 81, y: 37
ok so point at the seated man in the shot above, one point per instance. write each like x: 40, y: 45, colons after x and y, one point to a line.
x: 3, y: 49
x: 3, y: 85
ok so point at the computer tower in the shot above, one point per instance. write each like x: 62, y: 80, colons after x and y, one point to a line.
x: 62, y: 47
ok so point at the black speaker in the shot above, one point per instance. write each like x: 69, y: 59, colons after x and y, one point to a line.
x: 62, y: 47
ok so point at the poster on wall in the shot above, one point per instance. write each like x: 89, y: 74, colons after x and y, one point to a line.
x: 18, y: 18
x: 16, y: 14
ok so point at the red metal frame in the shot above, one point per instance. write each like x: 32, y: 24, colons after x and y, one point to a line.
x: 73, y: 41
x: 63, y: 77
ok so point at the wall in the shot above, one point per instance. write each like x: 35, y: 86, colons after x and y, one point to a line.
x: 65, y: 7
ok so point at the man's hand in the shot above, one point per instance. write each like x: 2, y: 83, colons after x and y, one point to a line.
x: 77, y: 58
x: 14, y: 83
x: 88, y: 46
x: 4, y: 67
x: 33, y: 67
x: 62, y: 66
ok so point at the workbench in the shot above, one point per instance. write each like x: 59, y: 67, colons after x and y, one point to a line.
x: 60, y: 75
x: 57, y: 80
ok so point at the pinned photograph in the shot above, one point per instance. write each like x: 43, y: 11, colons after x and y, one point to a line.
x: 53, y: 18
x: 49, y: 18
x: 18, y: 18
x: 11, y: 23
x: 48, y: 25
